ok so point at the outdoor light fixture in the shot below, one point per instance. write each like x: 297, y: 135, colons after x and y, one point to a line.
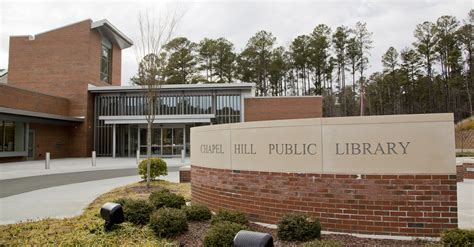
x: 112, y: 213
x: 248, y: 238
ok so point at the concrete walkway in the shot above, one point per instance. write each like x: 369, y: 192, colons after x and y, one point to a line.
x: 69, y: 165
x: 466, y: 204
x: 29, y: 192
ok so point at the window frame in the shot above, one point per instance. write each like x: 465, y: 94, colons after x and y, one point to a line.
x: 106, y: 77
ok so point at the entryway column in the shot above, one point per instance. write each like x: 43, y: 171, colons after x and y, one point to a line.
x: 114, y: 145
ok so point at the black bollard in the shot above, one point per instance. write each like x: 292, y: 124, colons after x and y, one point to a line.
x: 112, y: 213
x: 254, y: 239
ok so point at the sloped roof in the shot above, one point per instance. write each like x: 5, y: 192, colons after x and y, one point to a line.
x: 112, y: 33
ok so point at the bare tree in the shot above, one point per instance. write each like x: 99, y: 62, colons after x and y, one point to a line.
x: 154, y: 34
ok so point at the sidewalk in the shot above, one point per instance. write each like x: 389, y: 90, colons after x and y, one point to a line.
x: 69, y: 165
x: 59, y: 192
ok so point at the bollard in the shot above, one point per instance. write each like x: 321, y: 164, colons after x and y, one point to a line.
x: 47, y: 165
x: 182, y: 156
x: 138, y: 157
x: 93, y: 158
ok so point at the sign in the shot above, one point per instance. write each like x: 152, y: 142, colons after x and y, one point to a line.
x: 407, y: 144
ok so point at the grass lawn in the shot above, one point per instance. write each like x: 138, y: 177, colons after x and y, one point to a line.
x: 88, y: 228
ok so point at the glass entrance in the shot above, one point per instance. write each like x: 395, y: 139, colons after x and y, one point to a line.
x: 164, y: 141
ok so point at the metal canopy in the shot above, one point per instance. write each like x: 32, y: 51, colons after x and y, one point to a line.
x: 38, y: 117
x: 105, y: 28
x: 162, y: 119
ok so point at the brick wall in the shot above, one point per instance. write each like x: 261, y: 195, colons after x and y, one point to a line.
x: 62, y: 62
x: 463, y: 173
x: 17, y: 98
x: 53, y: 139
x: 411, y: 205
x: 185, y: 174
x: 275, y: 108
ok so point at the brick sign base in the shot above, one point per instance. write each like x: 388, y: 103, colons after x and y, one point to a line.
x: 407, y: 205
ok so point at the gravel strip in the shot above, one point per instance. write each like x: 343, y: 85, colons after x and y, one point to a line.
x: 197, y: 231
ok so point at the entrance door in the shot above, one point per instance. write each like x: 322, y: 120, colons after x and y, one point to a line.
x: 31, y: 144
x: 165, y: 141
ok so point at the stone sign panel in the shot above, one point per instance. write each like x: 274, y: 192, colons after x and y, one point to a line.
x: 401, y: 144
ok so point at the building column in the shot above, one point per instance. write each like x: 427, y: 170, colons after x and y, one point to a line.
x: 114, y: 138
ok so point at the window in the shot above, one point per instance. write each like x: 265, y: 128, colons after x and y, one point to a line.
x: 105, y: 63
x: 12, y: 136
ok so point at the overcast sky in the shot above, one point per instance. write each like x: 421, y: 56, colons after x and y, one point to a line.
x: 392, y: 22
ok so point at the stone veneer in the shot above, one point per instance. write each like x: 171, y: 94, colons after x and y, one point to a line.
x: 409, y: 205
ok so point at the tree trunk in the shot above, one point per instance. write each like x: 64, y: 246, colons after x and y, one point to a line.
x: 148, y: 154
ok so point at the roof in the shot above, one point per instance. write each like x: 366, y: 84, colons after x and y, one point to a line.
x: 112, y: 33
x: 5, y: 110
x: 175, y: 87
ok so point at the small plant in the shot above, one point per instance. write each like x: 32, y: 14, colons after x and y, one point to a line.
x: 168, y: 222
x: 298, y: 227
x: 222, y: 234
x: 157, y: 168
x: 164, y: 198
x: 197, y: 212
x: 458, y: 237
x: 136, y: 211
x: 230, y: 216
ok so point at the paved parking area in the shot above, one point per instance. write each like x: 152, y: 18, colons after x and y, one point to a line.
x: 29, y: 192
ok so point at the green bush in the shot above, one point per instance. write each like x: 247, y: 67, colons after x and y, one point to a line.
x: 157, y: 168
x: 197, y: 212
x: 323, y: 243
x: 168, y: 222
x: 465, y: 154
x: 298, y: 227
x: 222, y: 234
x: 164, y: 198
x: 230, y: 216
x: 122, y: 201
x: 136, y: 211
x: 458, y: 237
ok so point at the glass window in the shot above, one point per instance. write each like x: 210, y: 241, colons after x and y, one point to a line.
x: 12, y: 136
x: 105, y: 64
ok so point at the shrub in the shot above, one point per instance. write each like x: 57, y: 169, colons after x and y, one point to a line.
x: 458, y: 237
x: 136, y: 211
x: 465, y: 154
x: 122, y: 201
x: 323, y: 243
x: 222, y: 234
x: 157, y: 168
x: 230, y: 216
x: 168, y: 222
x: 197, y: 212
x: 164, y: 198
x: 298, y: 227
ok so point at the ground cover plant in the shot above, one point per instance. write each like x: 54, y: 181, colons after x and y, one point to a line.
x: 88, y: 228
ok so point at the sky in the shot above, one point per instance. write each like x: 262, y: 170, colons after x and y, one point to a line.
x: 391, y: 22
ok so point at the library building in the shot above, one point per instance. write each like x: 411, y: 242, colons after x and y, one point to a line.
x: 63, y: 94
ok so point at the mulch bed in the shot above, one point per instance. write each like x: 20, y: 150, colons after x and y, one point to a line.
x: 197, y: 231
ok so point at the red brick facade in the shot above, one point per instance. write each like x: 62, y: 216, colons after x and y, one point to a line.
x: 410, y: 205
x: 60, y: 63
x: 184, y: 176
x: 53, y: 139
x: 277, y: 108
x: 32, y: 101
x: 463, y: 173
